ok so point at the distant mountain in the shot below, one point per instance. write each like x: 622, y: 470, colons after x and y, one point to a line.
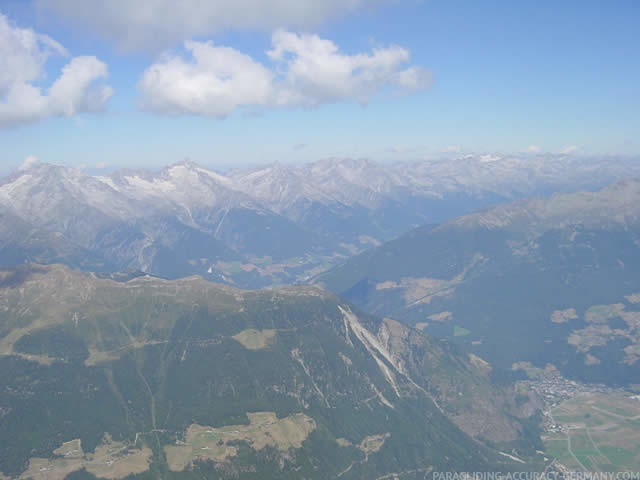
x: 271, y: 225
x: 182, y: 379
x: 541, y: 281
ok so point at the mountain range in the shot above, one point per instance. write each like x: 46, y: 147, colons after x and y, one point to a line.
x: 277, y: 224
x: 120, y: 358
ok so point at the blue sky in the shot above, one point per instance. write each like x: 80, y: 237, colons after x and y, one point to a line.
x: 483, y: 76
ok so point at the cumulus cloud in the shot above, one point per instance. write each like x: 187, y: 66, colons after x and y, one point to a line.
x: 305, y: 70
x: 314, y: 71
x: 162, y: 23
x: 532, y: 149
x: 214, y: 81
x: 28, y: 162
x: 23, y: 55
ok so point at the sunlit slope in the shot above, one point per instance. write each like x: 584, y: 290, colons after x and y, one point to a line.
x: 182, y: 379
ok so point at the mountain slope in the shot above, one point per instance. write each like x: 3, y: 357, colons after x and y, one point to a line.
x: 541, y: 281
x: 185, y: 378
x: 258, y: 227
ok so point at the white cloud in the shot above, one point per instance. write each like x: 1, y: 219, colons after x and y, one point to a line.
x: 214, y: 82
x: 163, y: 23
x: 569, y: 149
x: 28, y: 162
x: 314, y: 71
x: 532, y: 149
x: 74, y: 92
x: 23, y: 55
x: 306, y: 71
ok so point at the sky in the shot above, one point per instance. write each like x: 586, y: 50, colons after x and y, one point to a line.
x: 227, y: 83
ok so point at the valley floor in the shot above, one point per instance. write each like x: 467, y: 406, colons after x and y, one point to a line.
x: 588, y: 427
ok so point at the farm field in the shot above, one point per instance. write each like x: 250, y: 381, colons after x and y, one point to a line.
x: 219, y: 444
x: 596, y: 433
x: 111, y: 460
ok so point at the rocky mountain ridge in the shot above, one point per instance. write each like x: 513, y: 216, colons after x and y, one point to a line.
x: 269, y: 225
